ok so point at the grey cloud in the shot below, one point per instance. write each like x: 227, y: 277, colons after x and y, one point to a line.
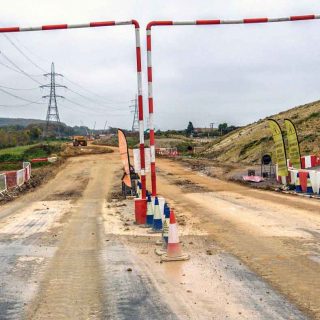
x: 236, y: 74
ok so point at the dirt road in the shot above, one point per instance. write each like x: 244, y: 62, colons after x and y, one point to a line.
x: 70, y: 250
x: 276, y: 235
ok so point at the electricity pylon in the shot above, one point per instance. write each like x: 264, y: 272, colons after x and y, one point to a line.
x: 53, y: 112
x: 135, y: 122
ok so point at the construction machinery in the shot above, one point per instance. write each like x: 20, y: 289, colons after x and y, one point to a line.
x: 79, y: 141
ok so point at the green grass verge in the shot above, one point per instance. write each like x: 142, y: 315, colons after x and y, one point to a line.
x: 12, y: 158
x: 16, y: 151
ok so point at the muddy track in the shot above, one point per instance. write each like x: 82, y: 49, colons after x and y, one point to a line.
x: 70, y: 250
x: 72, y: 286
x: 55, y: 262
x: 276, y: 235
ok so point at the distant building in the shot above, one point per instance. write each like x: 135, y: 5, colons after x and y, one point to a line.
x: 204, y: 130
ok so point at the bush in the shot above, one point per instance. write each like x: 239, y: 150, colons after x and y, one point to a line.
x: 41, y: 151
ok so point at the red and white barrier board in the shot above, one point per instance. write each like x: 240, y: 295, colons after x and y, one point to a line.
x: 11, y: 177
x: 310, y: 161
x: 314, y: 177
x: 307, y: 162
x: 169, y: 152
x: 39, y: 160
x: 15, y: 178
x: 315, y: 181
x: 50, y: 159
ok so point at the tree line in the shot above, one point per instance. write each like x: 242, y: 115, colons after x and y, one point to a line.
x: 17, y: 135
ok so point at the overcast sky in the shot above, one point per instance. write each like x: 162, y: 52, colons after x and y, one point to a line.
x: 235, y: 74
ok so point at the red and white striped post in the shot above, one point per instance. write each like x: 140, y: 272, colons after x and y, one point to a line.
x: 139, y: 69
x: 187, y: 23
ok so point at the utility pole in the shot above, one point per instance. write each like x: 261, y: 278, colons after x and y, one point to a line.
x: 53, y: 112
x: 105, y: 125
x: 211, y: 127
x: 134, y: 110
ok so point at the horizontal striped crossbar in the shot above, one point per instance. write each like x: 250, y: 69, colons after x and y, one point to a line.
x: 70, y: 26
x: 220, y: 21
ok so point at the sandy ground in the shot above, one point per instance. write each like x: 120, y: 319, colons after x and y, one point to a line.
x: 70, y: 251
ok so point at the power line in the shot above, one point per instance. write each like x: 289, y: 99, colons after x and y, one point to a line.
x: 82, y: 111
x: 20, y: 105
x: 8, y: 67
x: 27, y: 49
x: 18, y: 97
x: 22, y: 53
x: 19, y: 70
x: 95, y: 94
x: 42, y: 69
x: 20, y: 89
x: 22, y: 71
x: 95, y: 101
x: 86, y: 107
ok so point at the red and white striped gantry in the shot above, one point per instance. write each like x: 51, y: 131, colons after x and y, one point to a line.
x: 191, y: 23
x: 139, y: 69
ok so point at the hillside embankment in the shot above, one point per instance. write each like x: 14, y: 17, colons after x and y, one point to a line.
x: 246, y: 145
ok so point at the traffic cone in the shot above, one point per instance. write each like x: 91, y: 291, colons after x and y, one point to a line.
x: 149, y: 221
x: 162, y: 202
x: 165, y: 233
x: 174, y: 252
x: 157, y: 217
x: 298, y: 185
x: 309, y: 185
x: 166, y: 224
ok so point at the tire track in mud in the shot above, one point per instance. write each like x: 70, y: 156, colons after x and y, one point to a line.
x: 85, y: 279
x: 29, y: 234
x: 24, y: 252
x: 72, y: 286
x: 130, y: 294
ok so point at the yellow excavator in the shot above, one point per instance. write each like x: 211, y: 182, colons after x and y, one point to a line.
x: 79, y: 141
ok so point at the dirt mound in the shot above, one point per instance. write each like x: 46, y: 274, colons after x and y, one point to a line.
x: 38, y: 177
x: 249, y: 143
x: 71, y: 151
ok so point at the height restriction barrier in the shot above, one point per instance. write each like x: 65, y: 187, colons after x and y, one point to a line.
x: 138, y: 60
x: 192, y: 23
